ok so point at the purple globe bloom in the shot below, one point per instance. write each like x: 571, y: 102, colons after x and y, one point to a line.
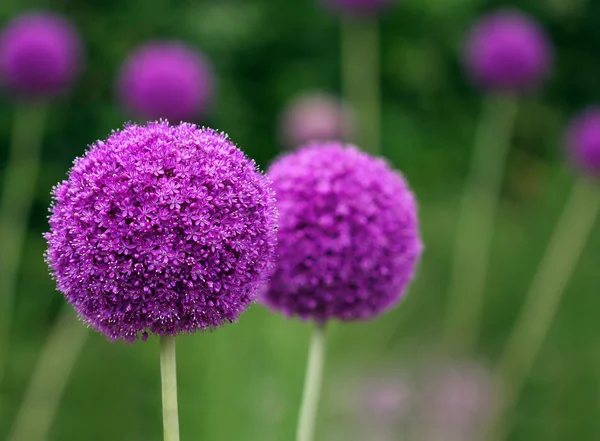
x: 166, y: 80
x: 315, y: 117
x: 358, y: 7
x: 160, y: 228
x: 507, y: 51
x: 348, y: 234
x: 583, y: 142
x: 40, y: 55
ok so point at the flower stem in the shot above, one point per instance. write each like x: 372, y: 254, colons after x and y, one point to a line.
x: 476, y: 220
x: 312, y: 386
x: 361, y: 77
x: 49, y: 379
x: 15, y: 204
x: 168, y: 370
x: 543, y: 299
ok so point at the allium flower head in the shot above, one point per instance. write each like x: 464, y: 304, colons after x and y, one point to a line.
x: 358, y: 7
x: 315, y: 117
x: 583, y: 142
x: 507, y: 51
x: 166, y: 80
x: 161, y: 228
x: 40, y: 55
x: 348, y: 234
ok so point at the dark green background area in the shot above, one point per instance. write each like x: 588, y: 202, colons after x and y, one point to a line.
x: 243, y: 382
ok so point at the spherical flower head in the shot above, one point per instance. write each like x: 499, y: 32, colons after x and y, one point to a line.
x: 358, y: 7
x: 166, y: 80
x: 507, y: 51
x: 40, y: 55
x: 162, y: 229
x: 583, y: 142
x: 315, y: 117
x: 348, y: 235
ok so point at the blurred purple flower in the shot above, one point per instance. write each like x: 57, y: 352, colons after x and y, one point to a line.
x: 507, y: 51
x: 315, y: 117
x: 384, y: 399
x: 40, y: 55
x: 166, y: 80
x: 373, y: 405
x: 160, y: 228
x: 458, y: 401
x: 358, y: 7
x: 348, y: 234
x: 583, y: 141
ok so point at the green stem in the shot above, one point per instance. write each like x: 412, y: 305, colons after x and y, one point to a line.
x: 168, y: 370
x: 15, y: 205
x: 543, y: 299
x: 476, y: 221
x: 361, y: 77
x: 312, y: 386
x: 49, y: 379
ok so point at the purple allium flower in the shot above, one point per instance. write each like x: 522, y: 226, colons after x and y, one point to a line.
x: 358, y: 7
x: 161, y: 228
x: 315, y: 117
x: 166, y: 80
x: 40, y: 54
x: 508, y: 51
x: 583, y: 141
x: 348, y: 234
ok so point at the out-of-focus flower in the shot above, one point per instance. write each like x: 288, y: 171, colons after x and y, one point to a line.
x: 166, y: 79
x: 348, y: 234
x: 40, y: 55
x: 374, y: 405
x: 160, y: 228
x: 358, y: 7
x: 316, y: 117
x: 458, y: 400
x: 583, y: 141
x: 384, y: 399
x: 507, y: 51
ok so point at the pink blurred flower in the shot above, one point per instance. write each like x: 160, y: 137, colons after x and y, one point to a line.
x: 316, y: 116
x: 457, y: 402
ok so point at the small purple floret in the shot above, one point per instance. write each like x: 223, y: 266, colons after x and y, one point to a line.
x: 166, y: 80
x: 583, y: 142
x: 507, y: 51
x: 40, y: 55
x: 348, y: 234
x: 161, y: 229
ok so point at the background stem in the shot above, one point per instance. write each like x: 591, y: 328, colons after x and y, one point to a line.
x: 361, y: 77
x: 543, y: 299
x: 168, y: 370
x: 312, y: 386
x: 15, y: 205
x: 474, y: 232
x: 49, y: 379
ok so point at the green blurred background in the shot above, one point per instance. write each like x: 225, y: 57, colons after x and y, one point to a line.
x: 243, y: 382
